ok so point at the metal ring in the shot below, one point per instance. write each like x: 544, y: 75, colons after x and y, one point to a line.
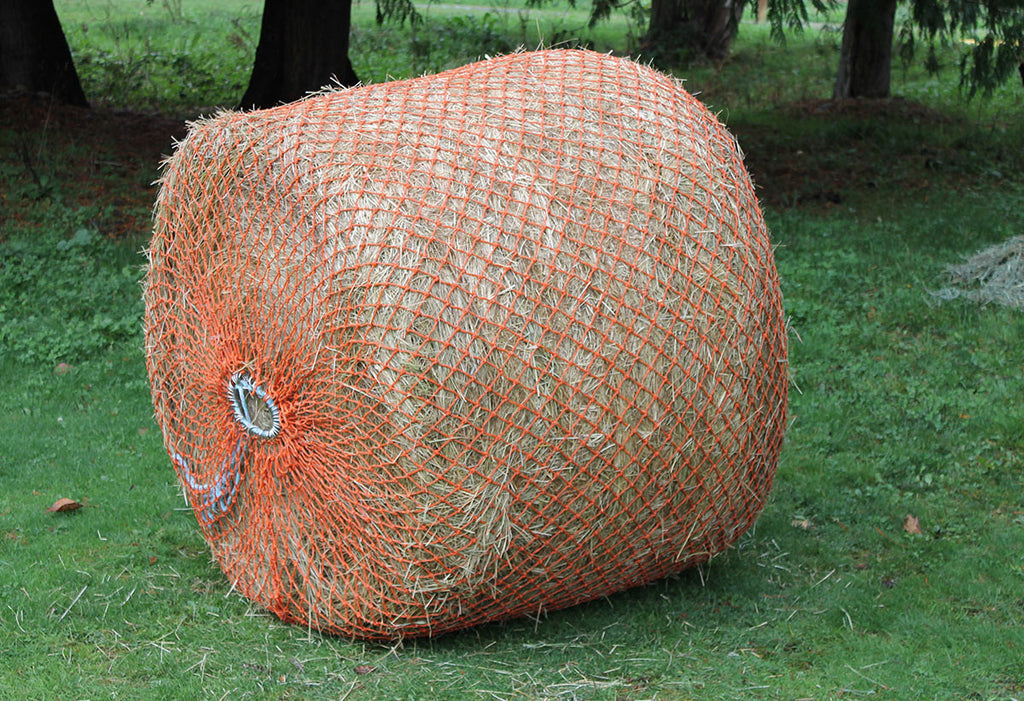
x: 253, y: 407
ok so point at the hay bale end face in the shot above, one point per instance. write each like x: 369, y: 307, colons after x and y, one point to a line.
x: 465, y: 347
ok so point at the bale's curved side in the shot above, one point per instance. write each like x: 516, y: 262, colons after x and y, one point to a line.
x: 519, y: 324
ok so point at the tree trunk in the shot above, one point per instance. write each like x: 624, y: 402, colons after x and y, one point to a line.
x: 34, y: 54
x: 865, y: 59
x: 303, y: 47
x: 704, y: 28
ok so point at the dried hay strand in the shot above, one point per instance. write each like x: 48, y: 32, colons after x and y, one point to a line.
x: 465, y: 347
x: 994, y: 274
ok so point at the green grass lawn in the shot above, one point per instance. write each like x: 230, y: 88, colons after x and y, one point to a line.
x: 901, y: 405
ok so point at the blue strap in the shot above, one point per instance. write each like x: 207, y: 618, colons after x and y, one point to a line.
x: 214, y: 498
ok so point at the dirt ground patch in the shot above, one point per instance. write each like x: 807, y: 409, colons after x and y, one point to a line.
x: 85, y: 156
x: 825, y: 153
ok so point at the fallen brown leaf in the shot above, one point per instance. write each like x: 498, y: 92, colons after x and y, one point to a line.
x: 364, y: 669
x: 912, y: 524
x: 64, y: 504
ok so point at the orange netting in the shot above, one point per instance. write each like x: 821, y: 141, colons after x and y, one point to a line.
x: 465, y: 347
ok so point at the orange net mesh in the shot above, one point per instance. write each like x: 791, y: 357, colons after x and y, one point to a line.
x: 460, y: 348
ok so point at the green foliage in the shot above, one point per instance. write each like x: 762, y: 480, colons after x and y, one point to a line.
x: 451, y: 36
x: 432, y: 45
x: 162, y: 56
x: 793, y: 15
x: 988, y: 36
x: 761, y: 74
x: 66, y: 295
x: 181, y: 56
x: 186, y: 55
x: 397, y: 11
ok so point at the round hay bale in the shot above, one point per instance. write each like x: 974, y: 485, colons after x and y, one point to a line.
x: 465, y: 347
